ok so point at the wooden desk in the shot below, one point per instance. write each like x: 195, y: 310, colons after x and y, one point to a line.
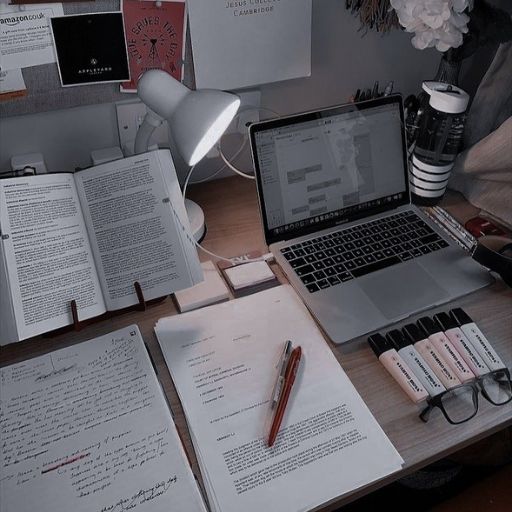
x: 233, y: 222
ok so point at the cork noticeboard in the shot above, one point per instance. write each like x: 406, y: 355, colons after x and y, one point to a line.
x: 44, y: 90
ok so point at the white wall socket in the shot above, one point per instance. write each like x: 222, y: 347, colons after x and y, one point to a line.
x: 35, y: 160
x: 248, y: 112
x: 130, y: 115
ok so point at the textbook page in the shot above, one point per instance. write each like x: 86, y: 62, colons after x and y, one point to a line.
x: 48, y: 259
x: 87, y: 429
x: 223, y: 362
x: 132, y: 229
x: 8, y: 330
x: 179, y: 212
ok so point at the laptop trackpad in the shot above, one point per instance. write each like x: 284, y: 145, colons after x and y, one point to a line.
x: 403, y: 290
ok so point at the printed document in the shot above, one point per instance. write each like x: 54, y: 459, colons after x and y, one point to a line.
x: 87, y: 429
x: 223, y: 362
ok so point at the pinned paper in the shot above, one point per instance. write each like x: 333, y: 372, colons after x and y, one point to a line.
x: 90, y: 48
x: 25, y: 35
x: 155, y: 34
x: 12, y: 85
x: 241, y: 43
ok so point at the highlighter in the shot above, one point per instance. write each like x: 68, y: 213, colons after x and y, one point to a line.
x: 477, y: 339
x: 434, y: 359
x: 397, y: 368
x: 461, y: 344
x: 418, y: 365
x: 446, y: 349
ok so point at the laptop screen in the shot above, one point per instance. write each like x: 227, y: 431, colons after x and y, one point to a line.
x: 323, y: 168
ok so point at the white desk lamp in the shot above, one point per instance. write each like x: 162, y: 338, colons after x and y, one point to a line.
x: 196, y: 119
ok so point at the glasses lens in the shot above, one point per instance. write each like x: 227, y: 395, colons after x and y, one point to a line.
x: 497, y: 387
x: 459, y: 403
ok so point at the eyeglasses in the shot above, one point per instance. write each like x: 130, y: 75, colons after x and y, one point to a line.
x: 460, y: 404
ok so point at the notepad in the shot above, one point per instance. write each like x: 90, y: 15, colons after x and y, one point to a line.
x: 223, y: 361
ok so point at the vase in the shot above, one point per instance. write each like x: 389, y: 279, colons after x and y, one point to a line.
x: 449, y: 69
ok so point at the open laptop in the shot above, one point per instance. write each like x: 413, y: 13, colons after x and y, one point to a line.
x: 334, y: 199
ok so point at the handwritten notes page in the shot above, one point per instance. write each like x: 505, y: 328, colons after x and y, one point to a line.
x: 87, y: 429
x: 223, y: 362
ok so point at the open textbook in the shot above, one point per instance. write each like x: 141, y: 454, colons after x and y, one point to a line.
x: 223, y: 362
x: 87, y: 429
x: 88, y: 237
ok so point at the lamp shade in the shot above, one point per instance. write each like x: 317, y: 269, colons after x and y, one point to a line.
x: 197, y: 119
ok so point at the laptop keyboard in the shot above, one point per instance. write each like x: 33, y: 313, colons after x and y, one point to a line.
x: 338, y: 257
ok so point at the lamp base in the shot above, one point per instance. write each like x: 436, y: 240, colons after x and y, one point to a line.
x: 196, y: 218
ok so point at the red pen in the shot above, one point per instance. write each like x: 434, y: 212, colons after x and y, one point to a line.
x: 289, y: 379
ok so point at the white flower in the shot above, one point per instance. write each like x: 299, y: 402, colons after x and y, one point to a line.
x: 439, y: 23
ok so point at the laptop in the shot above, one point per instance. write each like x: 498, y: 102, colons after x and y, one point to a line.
x: 333, y: 191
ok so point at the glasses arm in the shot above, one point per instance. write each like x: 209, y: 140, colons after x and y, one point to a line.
x: 425, y: 413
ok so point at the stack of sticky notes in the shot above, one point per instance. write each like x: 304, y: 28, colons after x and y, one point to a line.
x: 210, y: 291
x: 248, y: 276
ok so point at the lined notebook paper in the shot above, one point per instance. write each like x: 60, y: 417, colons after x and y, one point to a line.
x: 87, y: 429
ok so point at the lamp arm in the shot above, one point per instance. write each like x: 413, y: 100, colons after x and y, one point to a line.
x: 149, y: 124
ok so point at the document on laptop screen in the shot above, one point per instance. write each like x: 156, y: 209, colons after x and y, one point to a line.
x: 313, y: 168
x: 223, y: 362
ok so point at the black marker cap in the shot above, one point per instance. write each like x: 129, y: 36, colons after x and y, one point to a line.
x: 428, y: 325
x: 414, y: 333
x: 397, y: 339
x: 460, y: 316
x: 379, y: 344
x: 445, y: 321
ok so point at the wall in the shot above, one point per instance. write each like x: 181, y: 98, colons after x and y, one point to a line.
x: 342, y: 60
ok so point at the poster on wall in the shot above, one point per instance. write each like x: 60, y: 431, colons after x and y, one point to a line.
x: 25, y: 35
x: 242, y: 43
x: 22, y: 2
x: 90, y: 48
x: 155, y: 35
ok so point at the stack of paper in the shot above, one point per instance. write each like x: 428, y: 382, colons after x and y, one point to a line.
x: 223, y: 362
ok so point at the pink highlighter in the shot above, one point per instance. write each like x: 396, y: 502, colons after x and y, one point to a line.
x: 398, y: 368
x: 435, y: 360
x: 462, y: 344
x: 446, y: 349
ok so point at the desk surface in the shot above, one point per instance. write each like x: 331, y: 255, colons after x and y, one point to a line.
x: 232, y: 216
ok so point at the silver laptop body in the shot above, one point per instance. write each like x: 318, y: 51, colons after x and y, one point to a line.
x: 334, y: 199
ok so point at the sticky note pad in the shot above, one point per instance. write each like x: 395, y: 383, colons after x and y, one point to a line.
x: 246, y: 278
x: 210, y: 291
x: 249, y: 274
